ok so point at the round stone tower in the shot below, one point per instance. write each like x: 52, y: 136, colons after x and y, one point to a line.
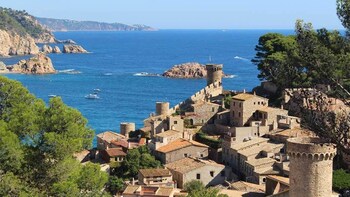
x: 126, y: 128
x: 311, y: 167
x: 162, y: 108
x: 214, y: 73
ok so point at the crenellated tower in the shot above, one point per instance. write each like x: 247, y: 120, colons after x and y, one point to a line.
x: 214, y: 73
x: 311, y: 167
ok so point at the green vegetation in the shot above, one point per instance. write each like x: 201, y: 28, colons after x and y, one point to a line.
x: 196, y: 188
x: 37, y: 143
x: 203, y: 138
x: 310, y: 57
x: 139, y: 133
x: 341, y: 180
x: 20, y: 22
x: 136, y: 159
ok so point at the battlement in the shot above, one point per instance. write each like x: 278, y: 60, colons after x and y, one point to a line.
x: 310, y: 148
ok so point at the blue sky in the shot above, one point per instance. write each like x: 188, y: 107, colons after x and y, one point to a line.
x: 189, y: 14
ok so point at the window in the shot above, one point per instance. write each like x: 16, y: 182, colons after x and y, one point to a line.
x: 175, y: 122
x: 239, y: 114
x: 259, y: 103
x: 240, y: 104
x: 198, y: 176
x: 212, y: 109
x: 254, y: 103
x: 264, y: 180
x: 202, y: 155
x: 234, y: 103
x: 233, y: 113
x: 185, y: 155
x: 212, y: 173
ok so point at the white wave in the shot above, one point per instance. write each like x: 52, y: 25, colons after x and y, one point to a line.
x: 69, y: 71
x: 241, y: 58
x: 145, y: 74
x: 107, y: 74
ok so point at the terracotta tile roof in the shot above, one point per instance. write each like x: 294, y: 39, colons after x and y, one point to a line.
x: 110, y: 136
x: 120, y: 143
x: 168, y: 133
x: 131, y: 189
x: 114, y: 152
x: 189, y: 164
x: 164, y: 191
x: 243, y: 96
x: 281, y: 179
x: 179, y: 144
x: 142, y: 141
x: 157, y: 172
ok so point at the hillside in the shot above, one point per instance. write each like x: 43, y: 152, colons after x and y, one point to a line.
x: 19, y: 33
x: 72, y: 25
x: 22, y: 23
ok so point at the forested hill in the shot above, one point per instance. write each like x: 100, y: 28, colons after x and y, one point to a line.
x: 72, y: 25
x: 22, y: 23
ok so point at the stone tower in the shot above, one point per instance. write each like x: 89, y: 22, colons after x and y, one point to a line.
x: 214, y: 73
x: 126, y: 128
x: 162, y: 108
x: 311, y: 167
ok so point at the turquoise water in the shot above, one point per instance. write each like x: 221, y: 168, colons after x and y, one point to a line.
x: 116, y: 56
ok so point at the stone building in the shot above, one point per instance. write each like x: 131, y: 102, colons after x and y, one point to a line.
x: 208, y: 172
x: 311, y: 167
x: 253, y: 160
x: 155, y: 177
x: 104, y: 139
x: 180, y: 149
x: 113, y: 155
x: 164, y: 138
x: 276, y: 185
x: 147, y: 191
x: 202, y: 113
x: 214, y: 73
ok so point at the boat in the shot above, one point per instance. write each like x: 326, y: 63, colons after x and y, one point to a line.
x: 52, y: 95
x: 97, y: 90
x: 92, y: 96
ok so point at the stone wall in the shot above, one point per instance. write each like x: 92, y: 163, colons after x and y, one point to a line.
x: 193, y: 151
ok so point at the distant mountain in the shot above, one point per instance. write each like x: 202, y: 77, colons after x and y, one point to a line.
x: 72, y: 25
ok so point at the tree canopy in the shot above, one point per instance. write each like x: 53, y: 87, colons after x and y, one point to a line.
x: 37, y: 143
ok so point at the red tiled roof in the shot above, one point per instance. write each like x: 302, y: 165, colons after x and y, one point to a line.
x: 114, y: 152
x: 121, y: 143
x: 142, y: 141
x: 178, y: 144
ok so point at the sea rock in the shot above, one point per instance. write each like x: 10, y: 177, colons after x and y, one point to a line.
x: 14, y: 44
x: 56, y: 49
x: 46, y: 49
x: 70, y: 48
x: 187, y: 70
x: 39, y: 64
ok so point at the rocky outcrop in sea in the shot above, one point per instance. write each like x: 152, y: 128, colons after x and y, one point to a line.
x: 70, y: 48
x: 14, y: 44
x: 49, y: 49
x: 189, y: 70
x: 39, y: 64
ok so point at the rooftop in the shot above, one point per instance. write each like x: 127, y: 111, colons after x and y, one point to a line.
x: 168, y: 133
x: 244, y: 145
x: 110, y: 135
x: 155, y: 172
x: 120, y: 143
x: 189, y: 164
x: 179, y: 144
x: 148, y: 190
x: 114, y: 152
x: 261, y: 161
x: 280, y: 179
x: 245, y: 96
x: 247, y: 187
x: 295, y: 132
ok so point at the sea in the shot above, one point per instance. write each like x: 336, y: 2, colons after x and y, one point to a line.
x: 117, y: 61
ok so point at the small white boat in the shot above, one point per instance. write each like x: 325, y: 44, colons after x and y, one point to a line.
x: 92, y: 96
x: 97, y: 90
x: 52, y: 95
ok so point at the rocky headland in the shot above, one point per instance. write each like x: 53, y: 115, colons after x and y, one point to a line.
x: 190, y: 70
x: 72, y: 48
x: 15, y: 44
x: 39, y: 64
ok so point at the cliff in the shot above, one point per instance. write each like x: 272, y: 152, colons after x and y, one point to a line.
x: 19, y: 32
x: 72, y: 25
x: 39, y: 64
x: 71, y: 48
